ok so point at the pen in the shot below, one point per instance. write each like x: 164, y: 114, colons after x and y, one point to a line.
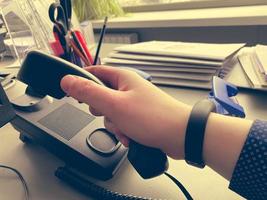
x: 76, y: 41
x: 83, y: 45
x: 102, y: 34
x: 78, y: 53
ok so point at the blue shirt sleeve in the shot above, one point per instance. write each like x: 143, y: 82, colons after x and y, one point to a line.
x: 249, y: 178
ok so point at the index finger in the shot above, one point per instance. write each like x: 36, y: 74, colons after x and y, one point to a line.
x: 110, y: 75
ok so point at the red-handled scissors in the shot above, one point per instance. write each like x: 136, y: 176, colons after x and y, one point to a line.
x: 60, y: 14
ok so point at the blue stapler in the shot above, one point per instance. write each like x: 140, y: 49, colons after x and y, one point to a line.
x: 223, y: 95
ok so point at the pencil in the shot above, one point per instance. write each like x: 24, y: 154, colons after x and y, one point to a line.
x: 79, y: 46
x: 102, y: 34
x: 79, y: 53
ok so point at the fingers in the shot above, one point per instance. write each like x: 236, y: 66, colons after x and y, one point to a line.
x: 110, y: 75
x: 113, y: 129
x: 95, y: 112
x: 101, y: 98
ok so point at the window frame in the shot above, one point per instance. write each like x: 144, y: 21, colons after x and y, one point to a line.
x: 193, y: 5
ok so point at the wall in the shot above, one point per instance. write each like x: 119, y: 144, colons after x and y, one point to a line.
x: 248, y: 34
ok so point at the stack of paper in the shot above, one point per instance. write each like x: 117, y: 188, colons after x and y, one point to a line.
x: 254, y: 63
x: 177, y: 63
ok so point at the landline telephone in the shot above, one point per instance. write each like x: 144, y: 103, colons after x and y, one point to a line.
x: 43, y: 73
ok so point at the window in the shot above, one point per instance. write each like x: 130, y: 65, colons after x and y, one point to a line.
x: 156, y: 5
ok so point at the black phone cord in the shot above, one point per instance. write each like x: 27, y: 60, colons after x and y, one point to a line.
x: 24, y: 184
x: 100, y: 193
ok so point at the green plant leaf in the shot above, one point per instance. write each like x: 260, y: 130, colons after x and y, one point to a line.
x: 97, y: 9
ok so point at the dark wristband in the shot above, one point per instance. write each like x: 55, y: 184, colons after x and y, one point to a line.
x: 195, y: 132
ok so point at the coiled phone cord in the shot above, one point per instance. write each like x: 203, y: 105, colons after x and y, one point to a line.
x: 90, y: 188
x: 101, y: 193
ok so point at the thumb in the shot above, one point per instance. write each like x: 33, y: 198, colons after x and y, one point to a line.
x: 98, y: 96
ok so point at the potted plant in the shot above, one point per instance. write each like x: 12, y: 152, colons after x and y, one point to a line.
x: 96, y: 9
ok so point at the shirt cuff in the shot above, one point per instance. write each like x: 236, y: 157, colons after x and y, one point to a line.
x: 249, y: 178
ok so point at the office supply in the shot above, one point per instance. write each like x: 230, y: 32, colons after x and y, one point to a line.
x: 253, y: 63
x: 247, y: 66
x: 79, y: 54
x: 77, y: 43
x: 34, y: 13
x: 223, y: 95
x: 102, y: 34
x: 57, y: 48
x: 260, y: 59
x: 75, y: 51
x: 84, y: 45
x: 29, y: 27
x: 197, y: 63
x: 180, y: 75
x: 203, y: 51
x: 17, y: 46
x: 177, y: 63
x: 58, y: 14
x: 67, y: 7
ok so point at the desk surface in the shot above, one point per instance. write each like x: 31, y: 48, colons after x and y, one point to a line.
x: 38, y: 166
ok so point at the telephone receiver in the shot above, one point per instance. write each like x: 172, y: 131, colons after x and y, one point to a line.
x: 43, y: 73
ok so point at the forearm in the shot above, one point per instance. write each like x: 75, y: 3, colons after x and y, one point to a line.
x: 224, y: 139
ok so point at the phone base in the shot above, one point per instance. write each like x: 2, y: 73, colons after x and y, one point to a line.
x: 63, y: 127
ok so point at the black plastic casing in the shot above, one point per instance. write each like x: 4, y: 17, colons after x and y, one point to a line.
x: 43, y: 73
x: 7, y: 112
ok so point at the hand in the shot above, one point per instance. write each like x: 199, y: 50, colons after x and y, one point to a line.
x: 133, y: 108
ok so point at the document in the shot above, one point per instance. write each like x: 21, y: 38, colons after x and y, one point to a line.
x: 252, y: 68
x: 166, y: 59
x: 204, y: 51
x: 184, y: 83
x: 261, y: 59
x: 145, y: 65
x: 167, y: 69
x: 247, y: 65
x: 181, y: 76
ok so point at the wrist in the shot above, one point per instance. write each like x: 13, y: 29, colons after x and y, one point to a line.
x: 224, y: 139
x: 175, y: 146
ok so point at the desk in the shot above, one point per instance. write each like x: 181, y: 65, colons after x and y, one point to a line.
x: 38, y: 166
